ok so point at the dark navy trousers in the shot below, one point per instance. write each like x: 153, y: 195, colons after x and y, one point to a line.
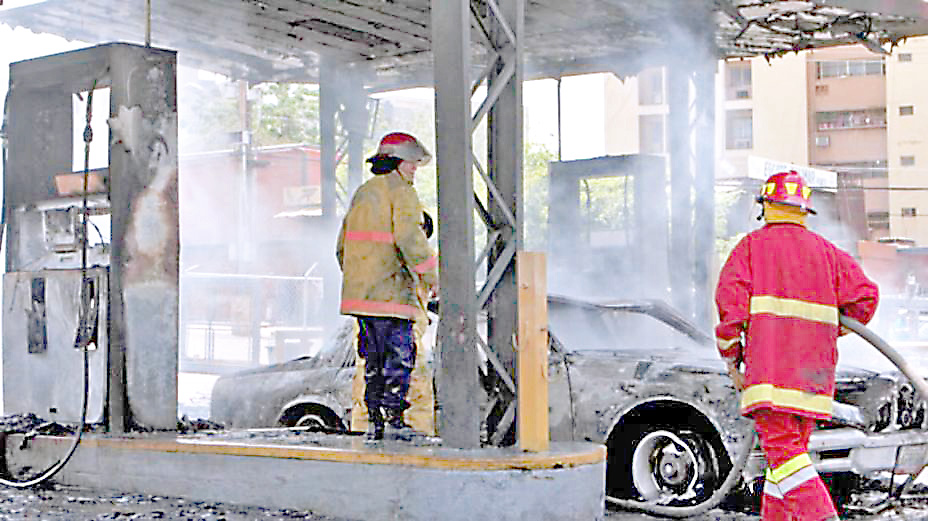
x: 388, y: 347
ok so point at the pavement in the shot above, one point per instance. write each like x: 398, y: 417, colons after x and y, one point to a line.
x: 60, y: 503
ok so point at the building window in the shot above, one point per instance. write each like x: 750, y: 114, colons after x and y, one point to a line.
x: 909, y: 211
x: 907, y: 161
x: 846, y: 68
x: 738, y: 80
x: 847, y: 119
x: 651, y: 134
x: 905, y: 56
x: 822, y: 141
x: 651, y: 87
x: 878, y: 220
x: 906, y: 110
x: 738, y: 129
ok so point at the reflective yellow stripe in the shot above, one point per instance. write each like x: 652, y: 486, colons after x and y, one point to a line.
x: 372, y: 236
x: 426, y: 266
x: 791, y: 398
x: 789, y: 483
x: 770, y: 488
x: 793, y: 465
x: 725, y: 345
x: 786, y: 307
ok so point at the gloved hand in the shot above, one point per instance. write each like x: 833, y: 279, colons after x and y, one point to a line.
x: 734, y: 371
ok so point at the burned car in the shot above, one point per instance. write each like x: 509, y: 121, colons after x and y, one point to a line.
x: 639, y: 378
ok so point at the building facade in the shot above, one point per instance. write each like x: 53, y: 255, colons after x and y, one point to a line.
x: 844, y: 109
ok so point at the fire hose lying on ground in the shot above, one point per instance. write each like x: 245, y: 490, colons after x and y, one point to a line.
x: 744, y: 450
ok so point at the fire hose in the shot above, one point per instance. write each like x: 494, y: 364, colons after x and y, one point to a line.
x: 917, y: 381
x: 734, y: 475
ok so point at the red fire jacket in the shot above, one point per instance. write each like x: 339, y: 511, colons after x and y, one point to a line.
x: 783, y: 286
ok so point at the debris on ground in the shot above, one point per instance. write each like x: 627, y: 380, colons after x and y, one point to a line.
x: 60, y: 503
x: 186, y: 425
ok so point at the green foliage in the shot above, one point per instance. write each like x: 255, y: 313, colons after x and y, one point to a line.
x: 281, y: 113
x: 535, y: 195
x: 285, y: 113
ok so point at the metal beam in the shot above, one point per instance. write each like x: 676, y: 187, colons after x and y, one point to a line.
x: 456, y: 377
x: 910, y: 8
x: 504, y: 160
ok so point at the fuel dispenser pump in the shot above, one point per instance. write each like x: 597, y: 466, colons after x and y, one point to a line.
x: 92, y: 253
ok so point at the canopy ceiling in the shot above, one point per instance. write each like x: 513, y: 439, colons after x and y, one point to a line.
x: 390, y: 40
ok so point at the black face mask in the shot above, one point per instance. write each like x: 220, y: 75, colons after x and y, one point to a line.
x: 384, y: 164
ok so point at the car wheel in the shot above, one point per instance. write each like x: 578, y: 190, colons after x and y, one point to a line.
x: 312, y: 416
x: 674, y: 467
x: 311, y: 420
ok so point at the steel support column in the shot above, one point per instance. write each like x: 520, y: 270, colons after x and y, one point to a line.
x: 500, y: 23
x: 505, y: 149
x: 456, y: 375
x: 504, y: 164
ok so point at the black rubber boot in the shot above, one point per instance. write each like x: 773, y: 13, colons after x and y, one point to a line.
x: 375, y: 428
x: 398, y: 429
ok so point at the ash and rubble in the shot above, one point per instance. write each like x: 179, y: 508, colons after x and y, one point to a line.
x: 57, y: 502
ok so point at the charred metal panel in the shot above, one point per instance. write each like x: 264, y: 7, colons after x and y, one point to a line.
x: 143, y: 196
x: 36, y: 331
x: 605, y: 392
x: 48, y: 382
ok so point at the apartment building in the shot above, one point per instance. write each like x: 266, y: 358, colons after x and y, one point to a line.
x: 847, y: 110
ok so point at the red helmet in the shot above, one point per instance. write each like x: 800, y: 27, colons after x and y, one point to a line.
x: 787, y: 188
x: 403, y: 146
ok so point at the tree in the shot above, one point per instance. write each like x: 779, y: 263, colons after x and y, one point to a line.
x: 281, y: 113
x: 286, y: 113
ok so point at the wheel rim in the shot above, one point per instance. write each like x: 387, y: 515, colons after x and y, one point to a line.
x: 310, y: 420
x: 666, y: 466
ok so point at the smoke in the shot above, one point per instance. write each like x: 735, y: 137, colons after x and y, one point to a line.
x: 254, y: 247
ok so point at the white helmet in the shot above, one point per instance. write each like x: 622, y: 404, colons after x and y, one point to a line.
x: 402, y: 146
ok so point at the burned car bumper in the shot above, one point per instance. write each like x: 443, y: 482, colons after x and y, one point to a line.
x: 852, y: 450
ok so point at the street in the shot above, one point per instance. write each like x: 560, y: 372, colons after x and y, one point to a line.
x: 60, y: 503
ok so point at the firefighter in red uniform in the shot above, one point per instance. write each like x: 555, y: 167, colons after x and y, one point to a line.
x: 779, y: 297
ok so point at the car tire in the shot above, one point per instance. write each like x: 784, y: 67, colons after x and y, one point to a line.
x: 667, y: 465
x: 311, y: 420
x: 315, y: 418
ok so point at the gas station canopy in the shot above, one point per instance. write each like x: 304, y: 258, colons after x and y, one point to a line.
x: 390, y: 41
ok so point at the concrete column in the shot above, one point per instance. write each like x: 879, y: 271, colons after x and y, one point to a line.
x: 456, y: 376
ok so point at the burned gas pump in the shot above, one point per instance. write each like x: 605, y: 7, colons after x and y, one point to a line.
x: 92, y: 253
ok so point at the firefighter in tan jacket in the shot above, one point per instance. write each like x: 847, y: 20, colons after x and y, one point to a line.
x: 386, y: 262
